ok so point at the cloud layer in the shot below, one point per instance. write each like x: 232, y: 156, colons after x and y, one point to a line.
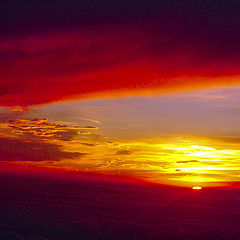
x: 19, y: 150
x: 37, y: 140
x: 159, y: 47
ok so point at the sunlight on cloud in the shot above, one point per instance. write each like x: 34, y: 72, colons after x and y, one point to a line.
x: 179, y: 139
x: 170, y: 159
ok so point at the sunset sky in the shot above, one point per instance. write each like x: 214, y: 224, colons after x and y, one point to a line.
x: 139, y: 89
x: 182, y: 138
x: 119, y: 119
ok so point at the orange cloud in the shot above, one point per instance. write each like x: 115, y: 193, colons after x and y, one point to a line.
x: 41, y: 129
x: 37, y: 140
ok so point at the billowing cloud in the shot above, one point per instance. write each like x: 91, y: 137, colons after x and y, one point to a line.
x: 161, y: 47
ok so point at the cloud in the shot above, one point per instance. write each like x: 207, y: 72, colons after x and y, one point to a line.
x: 37, y: 140
x: 24, y: 151
x: 87, y: 144
x: 162, y: 49
x: 188, y: 161
x: 124, y: 152
x: 7, y: 114
x: 41, y: 128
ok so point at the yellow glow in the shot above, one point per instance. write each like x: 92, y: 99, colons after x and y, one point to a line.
x: 178, y: 160
x: 185, y: 160
x: 196, y: 188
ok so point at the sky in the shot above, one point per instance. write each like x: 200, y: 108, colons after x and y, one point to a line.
x: 184, y: 138
x: 143, y: 89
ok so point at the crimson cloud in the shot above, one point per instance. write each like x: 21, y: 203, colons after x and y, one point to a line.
x: 163, y: 47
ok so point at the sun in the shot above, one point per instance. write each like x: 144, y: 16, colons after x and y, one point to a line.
x: 197, y: 188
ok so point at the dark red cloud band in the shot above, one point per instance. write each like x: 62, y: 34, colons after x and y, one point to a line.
x: 181, y: 47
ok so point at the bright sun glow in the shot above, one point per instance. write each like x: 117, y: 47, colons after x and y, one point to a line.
x: 196, y: 188
x: 177, y: 160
